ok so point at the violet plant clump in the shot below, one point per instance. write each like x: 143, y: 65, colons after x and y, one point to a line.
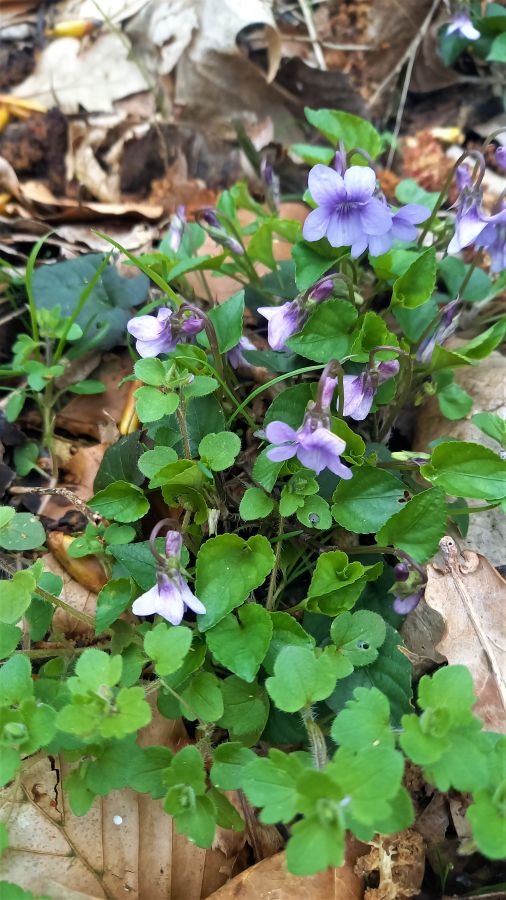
x: 264, y: 522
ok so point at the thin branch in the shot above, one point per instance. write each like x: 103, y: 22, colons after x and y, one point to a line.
x: 60, y: 492
x: 313, y: 34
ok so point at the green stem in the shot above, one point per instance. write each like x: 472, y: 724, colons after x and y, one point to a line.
x: 29, y: 285
x: 251, y: 422
x: 58, y: 651
x: 269, y: 384
x: 181, y: 420
x: 468, y: 274
x: 274, y: 574
x: 467, y: 510
x: 316, y: 738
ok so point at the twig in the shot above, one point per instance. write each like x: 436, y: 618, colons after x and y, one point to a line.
x: 413, y: 50
x: 313, y: 35
x: 59, y: 492
x: 301, y: 38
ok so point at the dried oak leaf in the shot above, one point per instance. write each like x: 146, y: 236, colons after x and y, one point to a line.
x: 399, y: 860
x: 471, y: 596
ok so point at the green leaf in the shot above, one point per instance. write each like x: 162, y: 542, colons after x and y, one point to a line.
x: 309, y: 265
x: 14, y: 405
x: 146, y: 776
x: 229, y: 761
x: 150, y: 371
x: 111, y: 768
x: 492, y: 425
x: 497, y: 52
x: 16, y: 596
x: 343, y: 126
x: 204, y: 415
x: 7, y: 513
x: 289, y: 406
x: 240, y: 644
x: 195, y: 816
x: 15, y: 681
x: 167, y: 646
x: 113, y: 599
x: 110, y: 301
x: 455, y: 270
x: 4, y: 839
x: 265, y: 471
x: 87, y: 387
x: 152, y: 461
x: 409, y: 191
x: 246, y: 710
x: 337, y: 583
x: 364, y: 503
x: 271, y: 783
x: 187, y: 767
x: 315, y: 844
x: 219, y: 451
x: 226, y: 814
x: 227, y: 319
x: 228, y: 569
x: 137, y: 561
x: 327, y: 332
x: 152, y: 404
x: 419, y: 525
x: 464, y: 469
x: 200, y: 386
x: 486, y: 816
x: 10, y: 760
x: 390, y: 673
x: 358, y: 636
x: 10, y: 891
x: 121, y: 501
x: 373, y: 772
x: 10, y: 636
x: 286, y: 631
x: 25, y: 458
x: 454, y: 402
x: 131, y: 713
x: 365, y: 721
x: 417, y: 284
x: 203, y: 698
x: 301, y: 678
x: 23, y: 532
x: 255, y: 504
x: 315, y: 513
x: 96, y: 668
x: 80, y: 797
x: 119, y: 463
x: 312, y: 155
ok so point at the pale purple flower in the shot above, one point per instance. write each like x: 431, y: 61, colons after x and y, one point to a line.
x: 463, y: 177
x: 403, y: 229
x: 314, y: 445
x: 462, y: 26
x: 328, y: 388
x: 161, y: 333
x: 404, y: 605
x: 322, y: 290
x: 347, y: 208
x: 235, y: 356
x: 445, y: 329
x: 493, y: 239
x: 219, y: 234
x: 284, y: 321
x: 340, y: 162
x: 359, y: 390
x: 272, y: 186
x: 171, y: 595
x: 176, y: 229
x: 500, y: 157
x: 471, y: 220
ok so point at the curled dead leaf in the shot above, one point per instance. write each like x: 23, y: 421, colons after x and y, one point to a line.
x: 399, y: 860
x: 77, y: 596
x: 470, y: 595
x: 87, y: 570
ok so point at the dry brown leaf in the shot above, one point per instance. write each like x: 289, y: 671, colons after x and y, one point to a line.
x: 77, y: 596
x: 91, y: 414
x: 433, y: 821
x: 53, y: 852
x: 270, y: 879
x: 470, y: 595
x: 86, y: 570
x: 399, y: 860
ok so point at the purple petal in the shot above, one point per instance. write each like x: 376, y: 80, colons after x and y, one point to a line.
x: 173, y: 543
x: 284, y: 321
x: 463, y: 177
x: 164, y: 344
x: 328, y: 392
x: 387, y: 369
x: 405, y: 605
x: 146, y: 328
x: 319, y: 449
x: 171, y: 605
x: 381, y: 243
x: 358, y: 246
x: 279, y: 454
x: 358, y: 396
x: 375, y: 217
x: 326, y: 185
x: 279, y: 432
x: 412, y: 213
x: 190, y: 600
x: 467, y: 229
x: 147, y: 604
x: 360, y: 182
x: 338, y: 468
x: 344, y: 227
x: 500, y: 157
x: 316, y: 224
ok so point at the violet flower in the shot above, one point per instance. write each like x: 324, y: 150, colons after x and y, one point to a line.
x: 404, y: 605
x: 161, y: 333
x: 272, y: 185
x: 171, y: 595
x: 445, y: 329
x: 462, y: 27
x: 500, y: 157
x: 347, y: 208
x: 176, y: 229
x: 403, y: 229
x: 470, y: 220
x: 314, y: 445
x: 493, y: 240
x: 322, y: 290
x: 284, y: 321
x: 401, y: 571
x: 235, y: 357
x: 463, y: 177
x: 219, y: 234
x: 359, y: 390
